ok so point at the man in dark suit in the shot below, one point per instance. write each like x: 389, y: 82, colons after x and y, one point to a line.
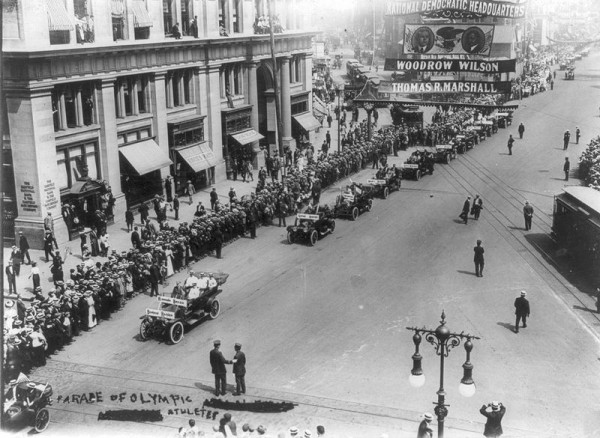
x: 218, y: 240
x: 478, y: 259
x: 155, y: 278
x: 217, y: 363
x: 239, y: 370
x: 465, y: 210
x: 521, y: 310
x: 24, y: 247
x: 494, y: 412
x: 129, y: 220
x: 135, y: 238
x: 16, y: 258
x: 176, y: 207
x: 10, y: 277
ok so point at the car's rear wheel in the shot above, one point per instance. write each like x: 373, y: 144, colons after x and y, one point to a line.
x: 176, y: 332
x: 447, y: 159
x: 42, y: 418
x: 314, y: 237
x: 332, y: 226
x: 290, y: 237
x: 145, y: 329
x: 215, y: 309
x: 354, y: 213
x: 386, y: 192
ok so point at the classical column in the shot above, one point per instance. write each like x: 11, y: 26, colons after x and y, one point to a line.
x: 34, y: 162
x: 180, y: 79
x: 286, y: 102
x: 121, y: 94
x: 168, y: 81
x: 78, y: 108
x: 159, y: 110
x: 213, y: 124
x: 135, y: 106
x: 252, y: 92
x: 62, y: 109
x: 110, y: 167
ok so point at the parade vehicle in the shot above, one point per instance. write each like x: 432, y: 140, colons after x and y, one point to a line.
x: 464, y: 141
x: 311, y: 227
x: 480, y: 132
x: 354, y: 202
x: 26, y: 404
x: 444, y: 153
x: 576, y: 227
x: 417, y: 165
x: 382, y: 187
x: 570, y: 74
x: 186, y: 307
x: 504, y: 119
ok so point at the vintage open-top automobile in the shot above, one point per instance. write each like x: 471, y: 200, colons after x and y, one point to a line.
x: 25, y: 405
x: 381, y: 187
x: 351, y: 203
x: 444, y: 153
x: 183, y: 309
x: 311, y: 227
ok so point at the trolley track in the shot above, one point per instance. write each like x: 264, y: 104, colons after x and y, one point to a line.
x: 543, y: 258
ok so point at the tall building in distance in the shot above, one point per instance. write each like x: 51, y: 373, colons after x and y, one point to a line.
x: 113, y: 96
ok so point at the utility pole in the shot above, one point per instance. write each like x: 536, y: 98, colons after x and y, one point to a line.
x: 276, y: 85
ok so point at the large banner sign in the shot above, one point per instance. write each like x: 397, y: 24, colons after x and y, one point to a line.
x: 451, y: 65
x: 447, y: 87
x: 456, y: 8
x: 442, y: 39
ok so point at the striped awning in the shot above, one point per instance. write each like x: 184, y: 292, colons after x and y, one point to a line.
x: 145, y: 156
x: 58, y: 17
x: 117, y: 8
x: 141, y: 18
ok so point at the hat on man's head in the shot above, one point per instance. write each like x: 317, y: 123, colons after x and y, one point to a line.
x: 238, y: 345
x: 495, y: 406
x: 247, y: 428
x: 261, y: 429
x: 293, y: 430
x: 217, y: 342
x: 523, y: 293
x: 307, y: 434
x: 428, y: 416
x: 227, y: 416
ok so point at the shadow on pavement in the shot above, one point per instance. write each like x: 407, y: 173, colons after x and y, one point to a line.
x: 465, y: 272
x: 507, y: 326
x: 459, y: 221
x: 511, y: 227
x: 585, y: 309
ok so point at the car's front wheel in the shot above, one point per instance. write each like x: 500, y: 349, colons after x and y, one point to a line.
x: 314, y: 237
x: 176, y: 332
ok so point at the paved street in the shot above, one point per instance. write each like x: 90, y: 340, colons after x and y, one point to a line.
x: 324, y: 326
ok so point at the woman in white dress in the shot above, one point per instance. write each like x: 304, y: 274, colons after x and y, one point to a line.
x: 92, y: 319
x: 169, y: 257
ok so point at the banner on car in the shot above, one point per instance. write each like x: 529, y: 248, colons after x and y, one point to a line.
x: 451, y: 65
x: 456, y: 8
x: 446, y: 87
x: 448, y: 39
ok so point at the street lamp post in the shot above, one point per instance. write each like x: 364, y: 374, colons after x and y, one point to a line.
x: 339, y: 89
x: 443, y: 340
x: 369, y: 106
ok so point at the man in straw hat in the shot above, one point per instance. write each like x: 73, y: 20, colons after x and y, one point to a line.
x: 521, y: 310
x: 425, y: 430
x: 494, y: 412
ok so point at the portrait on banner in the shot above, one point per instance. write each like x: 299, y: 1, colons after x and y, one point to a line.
x: 448, y: 39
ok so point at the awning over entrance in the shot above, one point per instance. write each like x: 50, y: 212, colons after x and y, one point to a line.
x: 194, y: 156
x: 83, y: 188
x: 58, y: 17
x: 307, y: 121
x: 247, y: 137
x: 208, y: 154
x: 117, y: 8
x: 140, y: 14
x: 145, y: 156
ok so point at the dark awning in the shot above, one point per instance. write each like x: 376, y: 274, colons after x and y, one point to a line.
x: 194, y: 156
x: 247, y: 137
x: 58, y: 17
x: 145, y: 156
x: 307, y: 121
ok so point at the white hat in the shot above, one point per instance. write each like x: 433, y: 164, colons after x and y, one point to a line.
x: 523, y: 293
x: 495, y: 406
x: 428, y: 416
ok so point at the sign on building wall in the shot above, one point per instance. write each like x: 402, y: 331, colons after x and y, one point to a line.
x: 447, y: 87
x: 456, y: 8
x: 442, y: 39
x: 451, y: 65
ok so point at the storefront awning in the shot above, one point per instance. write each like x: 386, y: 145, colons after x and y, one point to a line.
x: 117, y: 8
x: 141, y: 18
x: 145, y: 156
x: 194, y: 157
x: 247, y: 137
x: 58, y: 17
x: 208, y: 153
x: 307, y: 121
